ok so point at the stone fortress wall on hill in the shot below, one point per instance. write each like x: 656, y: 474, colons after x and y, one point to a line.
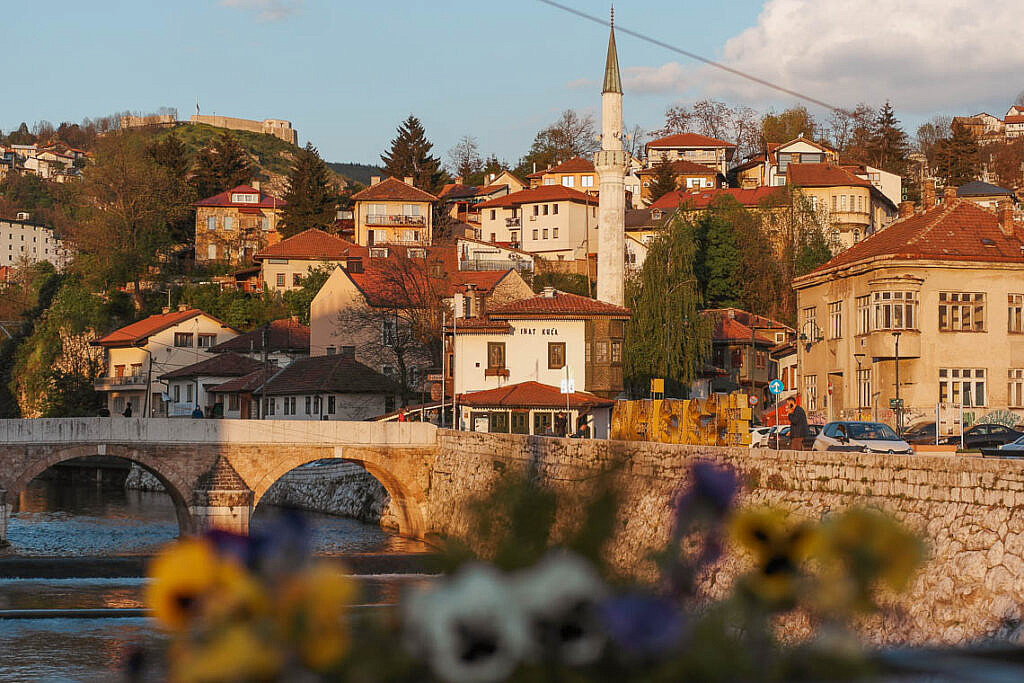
x: 279, y: 128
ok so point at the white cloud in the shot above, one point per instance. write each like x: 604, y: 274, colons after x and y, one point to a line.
x: 266, y: 10
x: 924, y: 55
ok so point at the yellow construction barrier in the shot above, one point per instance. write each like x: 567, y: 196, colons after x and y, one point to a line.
x: 719, y: 420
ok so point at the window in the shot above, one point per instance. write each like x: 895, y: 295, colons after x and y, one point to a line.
x: 206, y: 341
x: 188, y: 393
x: 388, y: 332
x: 1015, y: 395
x: 554, y: 233
x: 760, y: 360
x: 587, y: 352
x: 495, y: 355
x: 568, y: 181
x: 545, y: 211
x: 183, y: 340
x: 265, y: 224
x: 616, y: 352
x: 545, y: 233
x: 962, y: 386
x: 535, y: 233
x: 280, y: 280
x: 419, y: 252
x: 240, y: 198
x: 864, y: 388
x: 379, y: 252
x: 232, y: 401
x: 1015, y: 317
x: 332, y: 350
x: 556, y: 355
x: 229, y: 223
x: 309, y: 405
x: 961, y: 312
x: 211, y: 252
x: 211, y: 222
x: 602, y: 352
x: 296, y: 279
x: 136, y: 369
x: 587, y: 181
x: 811, y: 392
x: 331, y: 407
x: 411, y: 209
x: 809, y: 326
x: 895, y: 310
x: 549, y: 181
x: 536, y: 209
x: 834, y: 200
x: 863, y: 314
x: 835, y: 320
x: 176, y: 394
x: 554, y: 209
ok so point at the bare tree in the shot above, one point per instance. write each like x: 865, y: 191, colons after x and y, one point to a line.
x: 464, y: 158
x: 634, y: 140
x: 930, y: 133
x: 678, y: 119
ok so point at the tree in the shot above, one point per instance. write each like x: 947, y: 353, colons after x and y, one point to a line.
x: 121, y: 214
x: 677, y: 120
x: 633, y: 141
x: 788, y: 125
x: 667, y: 336
x: 956, y: 158
x: 888, y: 148
x: 409, y: 156
x: 491, y: 166
x: 930, y: 133
x: 221, y: 166
x: 312, y: 201
x: 805, y: 240
x: 21, y: 136
x: 464, y: 158
x: 664, y: 180
x: 572, y: 135
x: 850, y: 132
x: 172, y: 154
x: 299, y: 299
x: 1005, y: 161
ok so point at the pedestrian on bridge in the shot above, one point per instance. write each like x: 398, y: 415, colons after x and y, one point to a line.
x: 128, y: 410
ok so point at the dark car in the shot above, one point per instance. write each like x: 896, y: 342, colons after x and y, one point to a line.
x: 921, y: 433
x: 780, y: 439
x: 984, y: 436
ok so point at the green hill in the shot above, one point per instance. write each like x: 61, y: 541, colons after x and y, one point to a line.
x: 359, y: 173
x: 272, y: 155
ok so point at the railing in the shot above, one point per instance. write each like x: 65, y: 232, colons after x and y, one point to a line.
x: 395, y: 219
x: 123, y: 380
x: 513, y: 222
x: 520, y: 265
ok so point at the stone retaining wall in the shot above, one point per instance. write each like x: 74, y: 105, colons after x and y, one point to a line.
x: 967, y: 509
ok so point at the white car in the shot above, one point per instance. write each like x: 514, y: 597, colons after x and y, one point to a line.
x: 1014, y: 448
x: 870, y: 437
x: 759, y: 435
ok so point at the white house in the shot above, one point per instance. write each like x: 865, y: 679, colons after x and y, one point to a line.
x: 188, y: 387
x: 25, y: 242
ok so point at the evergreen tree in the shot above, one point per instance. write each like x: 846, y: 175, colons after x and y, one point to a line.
x: 667, y: 336
x: 664, y: 180
x: 21, y: 136
x: 409, y: 156
x: 221, y: 166
x: 717, y: 259
x: 888, y: 147
x: 491, y: 165
x: 172, y: 154
x: 311, y: 199
x: 957, y: 160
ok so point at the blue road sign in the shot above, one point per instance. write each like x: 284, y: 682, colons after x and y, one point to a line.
x: 776, y: 386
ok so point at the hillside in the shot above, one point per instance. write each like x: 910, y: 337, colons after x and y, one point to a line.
x: 359, y: 173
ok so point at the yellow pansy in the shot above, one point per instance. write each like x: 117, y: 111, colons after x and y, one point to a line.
x: 779, y: 547
x: 313, y: 611
x: 235, y: 653
x: 180, y: 576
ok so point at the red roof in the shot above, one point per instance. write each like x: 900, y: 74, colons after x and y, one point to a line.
x: 953, y: 231
x: 395, y: 190
x: 684, y: 167
x: 555, y: 303
x: 701, y: 199
x: 531, y: 395
x: 309, y: 244
x: 266, y: 201
x: 822, y: 175
x: 143, y: 329
x: 574, y: 165
x: 456, y: 191
x: 1014, y: 119
x: 688, y: 140
x: 285, y: 335
x: 544, y: 193
x: 221, y: 365
x: 733, y: 324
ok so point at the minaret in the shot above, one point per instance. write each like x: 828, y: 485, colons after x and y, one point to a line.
x: 611, y: 163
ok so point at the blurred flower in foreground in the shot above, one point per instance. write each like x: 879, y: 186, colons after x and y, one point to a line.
x: 313, y: 612
x: 182, y: 575
x: 779, y: 546
x: 560, y: 597
x: 713, y: 487
x: 642, y: 624
x: 467, y: 628
x: 235, y: 653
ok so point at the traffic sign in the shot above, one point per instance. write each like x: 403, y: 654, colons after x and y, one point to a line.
x: 753, y: 400
x: 568, y: 386
x: 895, y: 404
x: 776, y: 386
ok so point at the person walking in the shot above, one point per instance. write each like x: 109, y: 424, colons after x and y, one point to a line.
x: 128, y: 410
x: 797, y: 425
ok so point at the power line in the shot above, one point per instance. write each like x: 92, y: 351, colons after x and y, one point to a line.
x: 692, y: 55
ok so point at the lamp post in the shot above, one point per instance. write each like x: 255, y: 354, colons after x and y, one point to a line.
x: 860, y: 398
x: 899, y: 405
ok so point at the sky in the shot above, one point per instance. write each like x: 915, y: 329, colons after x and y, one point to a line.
x: 347, y: 73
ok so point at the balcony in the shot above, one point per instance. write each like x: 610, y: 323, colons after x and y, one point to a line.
x: 881, y: 345
x: 513, y: 222
x: 125, y: 382
x: 395, y: 219
x: 520, y: 265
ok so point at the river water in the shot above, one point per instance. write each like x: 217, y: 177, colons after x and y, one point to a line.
x: 77, y: 518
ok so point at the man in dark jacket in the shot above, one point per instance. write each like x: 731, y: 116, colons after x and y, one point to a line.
x: 797, y: 425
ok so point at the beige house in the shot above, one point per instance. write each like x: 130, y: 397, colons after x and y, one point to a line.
x: 283, y: 265
x: 855, y: 207
x: 759, y: 171
x: 233, y: 226
x: 689, y: 176
x: 947, y: 287
x: 700, y: 149
x: 554, y: 222
x: 393, y: 212
x: 138, y: 354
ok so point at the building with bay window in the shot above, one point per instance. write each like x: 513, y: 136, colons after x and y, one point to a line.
x: 393, y: 211
x: 936, y: 298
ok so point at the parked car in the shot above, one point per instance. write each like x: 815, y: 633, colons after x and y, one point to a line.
x: 780, y: 440
x: 984, y: 436
x: 1014, y: 449
x: 920, y: 433
x: 759, y: 435
x: 870, y: 437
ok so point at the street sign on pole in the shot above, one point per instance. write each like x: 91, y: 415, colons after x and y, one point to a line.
x: 776, y: 387
x: 568, y: 386
x: 753, y: 400
x: 895, y: 404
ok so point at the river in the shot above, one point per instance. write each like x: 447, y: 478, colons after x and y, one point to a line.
x: 78, y: 518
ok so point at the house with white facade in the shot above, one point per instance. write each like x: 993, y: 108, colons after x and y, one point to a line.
x: 189, y: 387
x: 283, y: 265
x: 554, y: 222
x: 23, y: 242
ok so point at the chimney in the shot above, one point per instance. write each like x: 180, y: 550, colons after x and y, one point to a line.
x: 906, y: 209
x: 548, y: 293
x: 256, y: 185
x: 408, y: 180
x: 928, y: 194
x: 165, y: 310
x: 1005, y: 213
x: 948, y: 195
x: 458, y: 180
x: 182, y: 308
x: 374, y: 179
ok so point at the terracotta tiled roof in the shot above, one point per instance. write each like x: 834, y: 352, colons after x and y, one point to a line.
x: 683, y: 167
x: 638, y: 218
x: 557, y: 305
x: 328, y: 374
x: 247, y: 383
x: 483, y: 280
x: 976, y: 188
x: 531, y: 395
x: 479, y: 325
x: 544, y: 193
x: 145, y: 328
x: 489, y: 189
x: 688, y: 140
x: 285, y: 335
x: 224, y: 199
x: 822, y: 175
x: 957, y: 231
x: 221, y: 365
x: 701, y: 199
x: 395, y: 190
x: 1014, y: 119
x: 309, y: 244
x: 456, y: 191
x: 733, y: 324
x: 574, y: 165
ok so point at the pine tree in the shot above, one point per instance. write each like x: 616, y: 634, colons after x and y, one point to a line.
x: 888, y: 147
x: 717, y: 259
x: 172, y: 154
x: 664, y: 180
x: 311, y: 200
x: 409, y: 156
x: 221, y: 166
x: 957, y: 158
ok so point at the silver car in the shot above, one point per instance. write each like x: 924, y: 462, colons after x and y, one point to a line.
x: 870, y: 437
x: 1014, y: 448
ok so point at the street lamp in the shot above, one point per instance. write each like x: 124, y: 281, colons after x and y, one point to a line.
x: 899, y: 404
x: 860, y: 398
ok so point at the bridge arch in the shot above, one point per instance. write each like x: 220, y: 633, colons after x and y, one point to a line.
x: 407, y: 496
x: 171, y: 481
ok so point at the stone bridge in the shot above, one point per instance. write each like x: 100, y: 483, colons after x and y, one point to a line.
x: 967, y: 509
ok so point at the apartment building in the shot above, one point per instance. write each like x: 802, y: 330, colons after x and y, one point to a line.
x: 233, y: 226
x: 23, y: 242
x: 393, y: 211
x: 555, y: 222
x: 700, y: 149
x: 855, y: 207
x: 689, y: 176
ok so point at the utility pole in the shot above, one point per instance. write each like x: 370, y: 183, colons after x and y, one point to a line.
x: 899, y: 404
